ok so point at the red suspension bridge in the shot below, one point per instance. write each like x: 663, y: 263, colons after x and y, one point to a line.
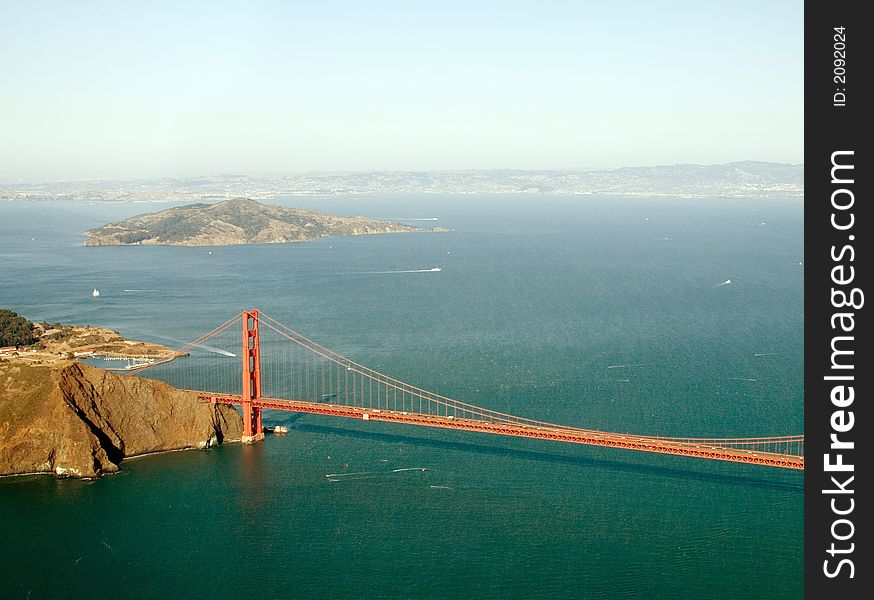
x: 306, y: 377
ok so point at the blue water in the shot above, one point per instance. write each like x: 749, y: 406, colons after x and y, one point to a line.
x: 591, y: 311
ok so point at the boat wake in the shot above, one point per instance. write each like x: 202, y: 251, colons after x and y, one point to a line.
x: 336, y: 477
x: 212, y: 349
x: 431, y: 270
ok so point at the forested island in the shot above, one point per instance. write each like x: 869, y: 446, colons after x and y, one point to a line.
x: 236, y: 221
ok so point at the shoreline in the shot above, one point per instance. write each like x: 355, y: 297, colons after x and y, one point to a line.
x: 85, y: 244
x: 58, y: 344
x: 123, y: 460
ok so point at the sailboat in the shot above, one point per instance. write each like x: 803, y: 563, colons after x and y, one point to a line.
x: 95, y: 293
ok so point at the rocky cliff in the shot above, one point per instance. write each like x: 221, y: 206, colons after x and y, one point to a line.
x: 80, y: 421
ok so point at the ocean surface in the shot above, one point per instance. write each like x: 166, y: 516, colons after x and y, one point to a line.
x: 600, y: 312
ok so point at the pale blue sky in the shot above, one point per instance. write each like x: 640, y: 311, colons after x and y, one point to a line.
x: 119, y: 89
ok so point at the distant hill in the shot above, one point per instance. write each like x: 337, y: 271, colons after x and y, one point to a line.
x: 236, y: 221
x: 746, y: 178
x: 738, y: 178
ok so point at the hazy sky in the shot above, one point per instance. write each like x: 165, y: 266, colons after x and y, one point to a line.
x: 117, y: 89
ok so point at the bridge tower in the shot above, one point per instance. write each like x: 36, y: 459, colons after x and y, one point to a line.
x: 253, y: 430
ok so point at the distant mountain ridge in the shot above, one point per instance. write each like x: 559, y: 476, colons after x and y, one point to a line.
x: 235, y: 221
x: 740, y: 178
x: 746, y: 178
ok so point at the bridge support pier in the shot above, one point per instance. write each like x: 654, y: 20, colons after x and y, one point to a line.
x: 253, y: 429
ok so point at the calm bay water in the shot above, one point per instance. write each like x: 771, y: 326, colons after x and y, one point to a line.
x: 591, y: 311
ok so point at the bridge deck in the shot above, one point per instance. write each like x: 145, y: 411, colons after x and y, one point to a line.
x: 558, y: 434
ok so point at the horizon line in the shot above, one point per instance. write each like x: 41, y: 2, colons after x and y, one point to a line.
x: 21, y: 180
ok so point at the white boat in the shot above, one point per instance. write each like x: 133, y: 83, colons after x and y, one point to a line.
x: 95, y: 293
x: 436, y: 270
x: 280, y: 429
x: 135, y: 364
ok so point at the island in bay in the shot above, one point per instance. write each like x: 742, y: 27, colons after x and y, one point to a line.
x: 235, y: 221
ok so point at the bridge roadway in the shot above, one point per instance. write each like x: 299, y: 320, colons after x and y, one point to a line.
x: 574, y: 436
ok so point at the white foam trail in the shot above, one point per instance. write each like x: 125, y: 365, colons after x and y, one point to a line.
x: 215, y: 350
x: 742, y: 379
x: 634, y: 365
x: 431, y: 270
x: 203, y: 346
x: 139, y: 290
x: 766, y: 353
x: 367, y: 474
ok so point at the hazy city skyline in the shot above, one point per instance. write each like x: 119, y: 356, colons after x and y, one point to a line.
x: 122, y: 90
